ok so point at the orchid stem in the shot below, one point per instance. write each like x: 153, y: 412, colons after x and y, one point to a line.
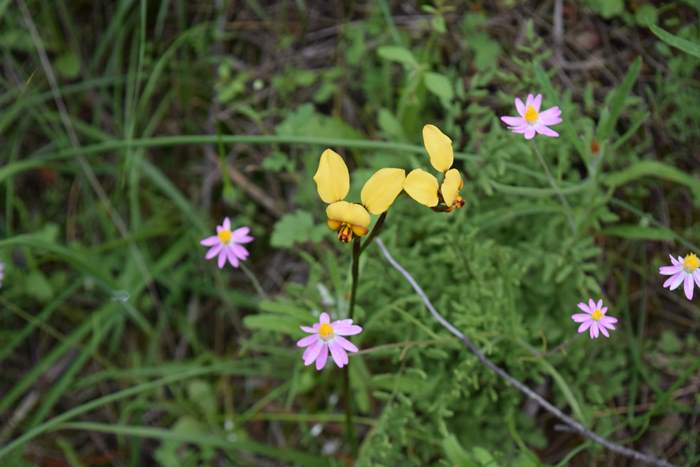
x: 355, y: 271
x: 564, y: 202
x: 375, y: 230
x: 356, y: 251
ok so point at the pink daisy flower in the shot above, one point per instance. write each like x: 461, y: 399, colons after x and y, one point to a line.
x: 227, y: 245
x: 531, y: 120
x: 594, y: 319
x: 685, y: 270
x: 327, y: 336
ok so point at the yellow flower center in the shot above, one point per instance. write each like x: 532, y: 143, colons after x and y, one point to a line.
x: 691, y: 262
x: 224, y: 236
x: 325, y: 331
x: 345, y: 233
x: 597, y: 314
x: 531, y: 115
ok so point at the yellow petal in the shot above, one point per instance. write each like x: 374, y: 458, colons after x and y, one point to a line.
x: 422, y: 187
x: 451, y: 186
x: 342, y: 212
x: 439, y: 147
x: 332, y: 177
x: 381, y: 189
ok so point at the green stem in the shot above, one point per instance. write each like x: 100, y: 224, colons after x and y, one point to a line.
x: 375, y: 230
x: 563, y: 200
x: 349, y: 424
x: 356, y: 251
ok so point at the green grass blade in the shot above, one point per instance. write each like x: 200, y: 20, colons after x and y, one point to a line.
x: 611, y: 114
x: 691, y: 48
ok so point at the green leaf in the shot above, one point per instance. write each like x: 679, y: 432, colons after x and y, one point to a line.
x: 612, y: 112
x: 202, y: 394
x: 68, y: 65
x: 273, y: 322
x: 398, y: 54
x: 455, y: 452
x: 646, y: 15
x: 692, y: 48
x: 608, y: 8
x: 484, y: 457
x: 440, y: 85
x: 638, y: 232
x: 296, y: 227
x: 390, y: 125
x: 653, y: 169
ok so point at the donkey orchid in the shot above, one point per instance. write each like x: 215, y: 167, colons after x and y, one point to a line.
x: 423, y: 187
x: 333, y: 184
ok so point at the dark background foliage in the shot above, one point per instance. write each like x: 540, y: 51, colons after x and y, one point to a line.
x: 120, y: 345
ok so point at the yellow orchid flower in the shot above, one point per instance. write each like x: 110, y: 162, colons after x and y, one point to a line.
x: 333, y: 184
x: 423, y: 187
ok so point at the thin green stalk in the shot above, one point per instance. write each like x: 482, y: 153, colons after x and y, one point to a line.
x: 375, y: 230
x: 564, y: 202
x: 356, y: 251
x: 349, y: 425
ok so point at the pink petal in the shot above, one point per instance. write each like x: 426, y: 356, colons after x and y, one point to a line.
x: 239, y: 251
x: 607, y: 324
x: 591, y: 304
x: 325, y: 318
x: 520, y: 128
x: 546, y: 131
x: 513, y: 121
x: 519, y: 106
x: 307, y: 341
x: 530, y: 133
x: 585, y: 325
x: 674, y: 261
x: 213, y: 251
x: 232, y: 258
x: 580, y: 317
x: 529, y: 100
x: 608, y: 320
x: 339, y: 356
x: 347, y: 330
x: 322, y: 357
x: 604, y: 331
x: 311, y: 353
x: 240, y: 232
x: 537, y: 102
x: 210, y: 241
x: 227, y: 224
x: 599, y: 305
x: 670, y: 270
x: 585, y: 308
x: 696, y: 275
x: 551, y: 116
x: 342, y: 322
x: 674, y: 281
x: 309, y: 328
x: 240, y: 235
x: 222, y: 258
x: 604, y: 309
x: 594, y: 331
x: 346, y: 344
x: 688, y: 285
